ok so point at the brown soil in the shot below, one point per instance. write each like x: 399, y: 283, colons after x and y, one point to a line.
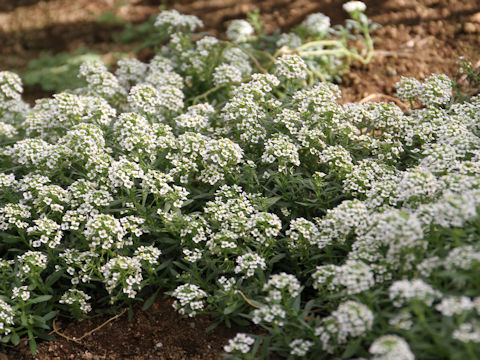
x: 158, y: 333
x: 417, y: 38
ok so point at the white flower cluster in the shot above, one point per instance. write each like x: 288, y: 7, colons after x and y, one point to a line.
x: 390, y: 347
x: 124, y: 271
x: 14, y: 215
x: 21, y: 292
x: 47, y: 231
x: 290, y: 40
x: 467, y: 332
x: 403, y: 321
x: 291, y: 67
x: 340, y: 222
x: 155, y: 102
x: 353, y: 6
x: 280, y: 149
x: 249, y: 263
x: 317, y: 24
x: 10, y: 86
x: 300, y: 347
x: 173, y: 21
x: 270, y: 314
x: 189, y: 299
x: 31, y: 263
x: 350, y: 320
x: 227, y: 74
x: 455, y: 305
x: 6, y: 318
x: 148, y: 254
x: 135, y: 134
x: 77, y: 299
x: 104, y: 231
x: 302, y: 232
x: 100, y: 81
x: 237, y: 57
x: 130, y: 71
x: 7, y: 130
x: 402, y: 292
x: 351, y: 278
x: 281, y: 286
x: 239, y: 31
x: 435, y: 90
x: 241, y: 343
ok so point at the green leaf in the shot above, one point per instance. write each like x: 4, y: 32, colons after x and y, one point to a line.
x: 15, y: 339
x: 53, y: 278
x: 23, y: 319
x: 39, y: 299
x: 230, y: 309
x: 49, y: 316
x: 5, y: 339
x: 45, y: 336
x: 271, y: 201
x: 276, y: 258
x: 32, y: 342
x: 150, y: 300
x: 352, y: 349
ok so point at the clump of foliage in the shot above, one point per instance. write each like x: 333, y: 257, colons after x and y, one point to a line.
x: 249, y: 194
x: 57, y: 72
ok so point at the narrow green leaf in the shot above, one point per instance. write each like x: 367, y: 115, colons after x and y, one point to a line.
x: 150, y: 300
x: 40, y: 299
x: 32, y: 342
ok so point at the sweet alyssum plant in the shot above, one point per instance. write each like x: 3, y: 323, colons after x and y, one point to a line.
x: 345, y: 231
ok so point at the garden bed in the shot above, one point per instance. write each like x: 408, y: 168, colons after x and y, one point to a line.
x: 417, y: 38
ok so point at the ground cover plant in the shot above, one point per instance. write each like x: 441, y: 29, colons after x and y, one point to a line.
x: 228, y: 173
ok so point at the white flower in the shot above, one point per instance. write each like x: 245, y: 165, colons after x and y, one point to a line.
x: 317, y: 24
x: 467, y: 332
x: 352, y: 6
x: 78, y: 299
x: 391, y: 347
x: 455, y: 305
x: 291, y: 40
x: 241, y: 342
x: 239, y: 31
x: 21, y: 292
x: 249, y: 263
x: 351, y: 319
x: 6, y: 318
x: 189, y: 299
x: 404, y: 291
x: 291, y: 67
x: 299, y: 347
x: 173, y: 21
x: 226, y: 74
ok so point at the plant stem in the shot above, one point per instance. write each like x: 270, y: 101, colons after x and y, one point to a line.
x: 206, y: 93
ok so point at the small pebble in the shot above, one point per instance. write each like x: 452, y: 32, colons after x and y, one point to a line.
x: 470, y: 28
x: 475, y: 18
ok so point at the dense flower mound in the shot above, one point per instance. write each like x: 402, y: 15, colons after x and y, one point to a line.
x: 343, y: 230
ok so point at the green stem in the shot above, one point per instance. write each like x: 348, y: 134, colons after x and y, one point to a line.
x: 208, y: 92
x: 255, y: 61
x: 340, y: 51
x: 318, y: 43
x: 269, y: 56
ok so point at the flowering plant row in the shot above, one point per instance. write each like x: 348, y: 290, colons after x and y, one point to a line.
x: 254, y: 196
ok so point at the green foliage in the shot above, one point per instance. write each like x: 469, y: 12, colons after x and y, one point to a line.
x: 228, y: 175
x: 57, y: 72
